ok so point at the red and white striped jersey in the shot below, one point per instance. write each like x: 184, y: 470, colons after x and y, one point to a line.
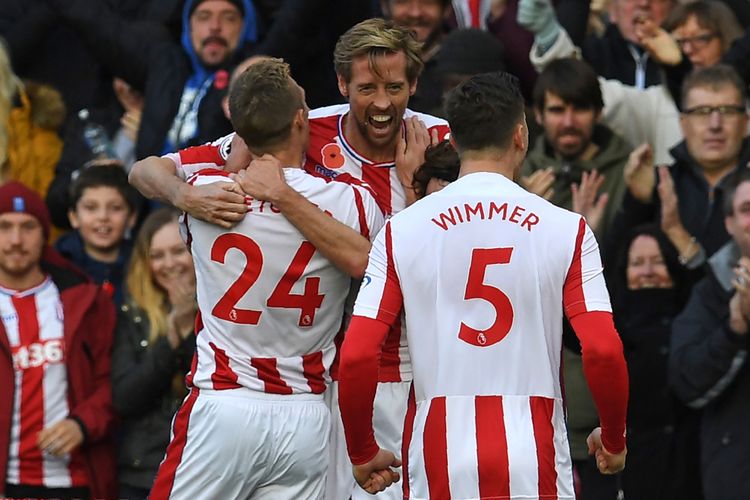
x: 33, y: 321
x: 482, y: 269
x: 270, y: 304
x: 330, y: 155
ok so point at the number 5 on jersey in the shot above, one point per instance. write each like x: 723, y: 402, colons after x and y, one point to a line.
x: 281, y: 297
x: 477, y: 289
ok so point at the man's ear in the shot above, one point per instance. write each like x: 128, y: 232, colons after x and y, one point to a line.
x: 413, y: 87
x: 520, y: 137
x: 342, y: 85
x: 538, y: 116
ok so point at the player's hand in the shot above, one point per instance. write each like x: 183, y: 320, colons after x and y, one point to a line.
x: 540, y: 183
x: 263, y: 179
x: 61, y: 438
x: 585, y: 200
x: 376, y: 475
x: 657, y: 42
x: 410, y: 149
x: 239, y: 156
x: 606, y: 462
x: 639, y: 173
x: 220, y: 203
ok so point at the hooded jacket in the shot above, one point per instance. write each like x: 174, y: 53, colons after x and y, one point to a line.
x: 609, y: 161
x: 162, y: 69
x: 88, y: 329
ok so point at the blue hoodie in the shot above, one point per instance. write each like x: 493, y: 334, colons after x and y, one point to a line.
x: 202, y: 77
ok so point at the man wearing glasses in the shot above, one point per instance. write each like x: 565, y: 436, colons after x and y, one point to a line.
x: 686, y: 197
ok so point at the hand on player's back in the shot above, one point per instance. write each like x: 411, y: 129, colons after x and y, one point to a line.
x: 220, y: 203
x: 376, y: 475
x: 263, y: 179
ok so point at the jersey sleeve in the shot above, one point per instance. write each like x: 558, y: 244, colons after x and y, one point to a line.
x: 606, y: 374
x: 212, y: 155
x: 584, y: 289
x: 379, y: 295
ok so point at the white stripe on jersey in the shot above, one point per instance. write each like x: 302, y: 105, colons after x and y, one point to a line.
x: 46, y: 354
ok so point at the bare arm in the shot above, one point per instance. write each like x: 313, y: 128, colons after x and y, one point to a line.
x: 342, y: 245
x: 220, y: 203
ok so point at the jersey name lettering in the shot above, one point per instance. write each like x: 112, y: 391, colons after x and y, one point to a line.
x: 482, y: 210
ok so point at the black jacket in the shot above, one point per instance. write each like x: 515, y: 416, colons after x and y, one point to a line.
x: 144, y: 394
x: 663, y: 452
x: 709, y: 370
x: 610, y: 57
x: 700, y: 207
x: 156, y: 66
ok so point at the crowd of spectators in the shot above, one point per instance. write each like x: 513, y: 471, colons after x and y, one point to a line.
x: 638, y: 114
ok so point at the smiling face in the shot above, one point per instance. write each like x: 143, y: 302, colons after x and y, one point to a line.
x: 169, y: 260
x: 215, y: 29
x: 377, y: 103
x: 102, y: 216
x: 21, y: 244
x: 646, y: 267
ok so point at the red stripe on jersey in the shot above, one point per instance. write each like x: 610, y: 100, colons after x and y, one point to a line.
x: 164, y: 481
x: 313, y: 370
x: 436, y: 450
x: 573, y: 300
x: 32, y: 395
x: 379, y: 178
x: 270, y: 376
x: 364, y: 229
x: 411, y: 411
x: 223, y: 376
x: 390, y: 303
x: 492, y: 448
x: 542, y: 410
x: 207, y: 153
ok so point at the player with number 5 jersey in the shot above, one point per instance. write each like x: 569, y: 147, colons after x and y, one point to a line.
x: 255, y: 424
x: 484, y: 271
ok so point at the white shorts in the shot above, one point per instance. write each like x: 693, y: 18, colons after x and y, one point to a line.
x: 238, y: 443
x: 388, y: 422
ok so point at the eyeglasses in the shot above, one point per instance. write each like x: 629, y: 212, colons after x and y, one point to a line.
x: 705, y: 112
x: 697, y: 42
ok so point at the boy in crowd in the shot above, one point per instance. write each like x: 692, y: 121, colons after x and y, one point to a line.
x: 102, y: 213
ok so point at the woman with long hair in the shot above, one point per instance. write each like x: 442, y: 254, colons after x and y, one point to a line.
x: 154, y: 345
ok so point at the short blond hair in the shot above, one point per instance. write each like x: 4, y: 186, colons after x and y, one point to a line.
x: 374, y: 38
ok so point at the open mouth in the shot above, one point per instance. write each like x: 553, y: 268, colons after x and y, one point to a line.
x: 380, y: 121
